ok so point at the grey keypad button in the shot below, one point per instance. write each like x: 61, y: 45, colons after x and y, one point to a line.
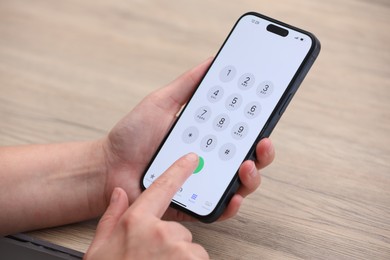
x: 233, y: 102
x: 215, y: 94
x: 265, y: 89
x: 252, y: 110
x: 208, y: 143
x: 240, y: 130
x: 227, y: 151
x: 203, y: 114
x: 221, y: 122
x: 227, y: 73
x: 190, y: 134
x: 246, y: 81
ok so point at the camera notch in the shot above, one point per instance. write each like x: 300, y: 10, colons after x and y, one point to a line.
x: 277, y: 30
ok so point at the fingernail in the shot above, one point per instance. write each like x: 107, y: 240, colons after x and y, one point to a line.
x: 253, y: 171
x: 270, y: 149
x: 115, y: 195
x: 192, y: 157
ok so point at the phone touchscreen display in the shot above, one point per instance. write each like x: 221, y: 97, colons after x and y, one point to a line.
x: 229, y: 109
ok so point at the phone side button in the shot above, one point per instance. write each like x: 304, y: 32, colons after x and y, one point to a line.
x: 285, y: 104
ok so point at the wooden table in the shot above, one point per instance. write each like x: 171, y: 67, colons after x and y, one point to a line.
x: 69, y: 70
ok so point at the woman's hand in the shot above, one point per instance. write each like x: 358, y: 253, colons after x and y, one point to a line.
x: 137, y: 232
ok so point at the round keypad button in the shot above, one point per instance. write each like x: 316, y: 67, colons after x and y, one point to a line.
x: 215, y: 94
x: 239, y: 130
x: 227, y: 151
x: 233, y: 102
x: 265, y: 89
x: 203, y: 114
x: 246, y: 81
x: 221, y: 122
x: 252, y: 110
x: 227, y: 73
x: 190, y: 134
x: 208, y: 143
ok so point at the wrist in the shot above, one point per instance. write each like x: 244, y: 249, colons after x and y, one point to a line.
x: 121, y: 169
x: 113, y: 166
x: 97, y: 182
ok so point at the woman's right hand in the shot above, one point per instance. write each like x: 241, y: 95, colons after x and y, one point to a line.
x: 137, y: 232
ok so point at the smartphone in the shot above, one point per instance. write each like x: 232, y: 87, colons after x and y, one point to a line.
x: 238, y: 102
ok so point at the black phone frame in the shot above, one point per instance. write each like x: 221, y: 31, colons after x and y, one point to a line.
x: 273, y: 119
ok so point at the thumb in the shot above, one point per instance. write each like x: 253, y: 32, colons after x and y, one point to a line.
x: 119, y: 203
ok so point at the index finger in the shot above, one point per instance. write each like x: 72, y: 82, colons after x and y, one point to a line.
x: 157, y: 197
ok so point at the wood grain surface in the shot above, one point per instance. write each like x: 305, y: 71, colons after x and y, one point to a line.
x: 69, y: 70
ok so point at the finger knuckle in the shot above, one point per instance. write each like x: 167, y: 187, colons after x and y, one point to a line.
x: 161, y: 231
x: 130, y: 220
x: 179, y: 228
x: 181, y: 249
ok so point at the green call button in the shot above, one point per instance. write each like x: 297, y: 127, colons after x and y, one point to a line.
x: 200, y: 165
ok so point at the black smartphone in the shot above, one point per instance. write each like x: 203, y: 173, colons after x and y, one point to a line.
x: 238, y: 102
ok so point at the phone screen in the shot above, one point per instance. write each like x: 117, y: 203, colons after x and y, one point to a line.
x: 229, y: 109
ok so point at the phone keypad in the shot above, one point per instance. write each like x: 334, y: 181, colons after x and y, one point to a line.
x: 235, y: 106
